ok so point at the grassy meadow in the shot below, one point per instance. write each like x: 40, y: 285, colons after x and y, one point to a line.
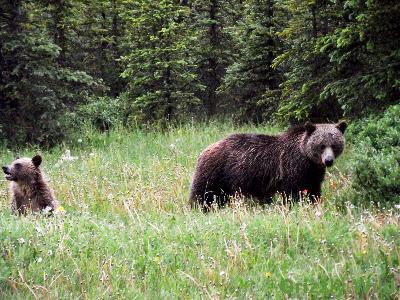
x: 127, y: 230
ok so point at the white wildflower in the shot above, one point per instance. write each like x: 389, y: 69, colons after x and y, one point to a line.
x: 67, y: 156
x: 47, y: 209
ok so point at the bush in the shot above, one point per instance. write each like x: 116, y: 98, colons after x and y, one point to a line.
x: 376, y: 166
x: 102, y: 112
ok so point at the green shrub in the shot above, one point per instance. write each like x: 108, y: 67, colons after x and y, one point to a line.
x: 102, y: 112
x: 376, y: 166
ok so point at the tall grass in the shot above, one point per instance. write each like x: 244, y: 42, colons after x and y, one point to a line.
x: 127, y: 231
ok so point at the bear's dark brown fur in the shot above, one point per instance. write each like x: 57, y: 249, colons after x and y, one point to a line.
x: 260, y: 165
x: 30, y: 191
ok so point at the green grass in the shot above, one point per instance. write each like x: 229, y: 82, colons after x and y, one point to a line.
x: 127, y: 231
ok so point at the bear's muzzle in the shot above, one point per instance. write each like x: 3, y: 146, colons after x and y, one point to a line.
x: 6, y: 171
x: 328, y: 157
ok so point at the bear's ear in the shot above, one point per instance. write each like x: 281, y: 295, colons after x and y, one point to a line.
x: 37, y: 160
x: 310, y: 127
x: 17, y: 157
x: 342, y: 126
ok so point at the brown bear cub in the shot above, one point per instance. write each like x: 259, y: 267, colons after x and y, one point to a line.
x: 259, y: 165
x: 30, y: 190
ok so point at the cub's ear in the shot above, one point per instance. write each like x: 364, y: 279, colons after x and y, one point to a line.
x: 310, y: 127
x: 37, y: 160
x: 342, y: 126
x: 17, y: 157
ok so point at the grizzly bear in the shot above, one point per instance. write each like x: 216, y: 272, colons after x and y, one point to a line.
x: 30, y: 191
x: 259, y: 165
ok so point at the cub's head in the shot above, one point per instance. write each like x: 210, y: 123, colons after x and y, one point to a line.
x: 323, y: 143
x: 23, y: 169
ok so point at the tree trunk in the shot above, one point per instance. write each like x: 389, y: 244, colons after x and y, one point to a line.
x: 59, y: 31
x: 314, y: 21
x: 167, y: 87
x: 272, y: 77
x: 213, y: 80
x: 117, y: 84
x: 169, y: 109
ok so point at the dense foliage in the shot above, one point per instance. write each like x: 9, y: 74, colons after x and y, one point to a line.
x: 160, y: 71
x: 376, y: 167
x: 39, y: 81
x: 170, y: 60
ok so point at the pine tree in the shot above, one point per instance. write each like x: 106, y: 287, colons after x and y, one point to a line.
x: 304, y: 68
x: 159, y: 67
x: 100, y: 41
x: 34, y: 87
x: 251, y: 80
x: 364, y: 54
x: 214, y: 52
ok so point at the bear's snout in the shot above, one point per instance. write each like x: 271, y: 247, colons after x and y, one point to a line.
x: 8, y: 173
x: 5, y: 170
x: 328, y: 161
x: 328, y: 156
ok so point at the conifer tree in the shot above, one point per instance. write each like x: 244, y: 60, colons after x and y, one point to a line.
x: 159, y: 67
x: 34, y: 86
x: 251, y: 80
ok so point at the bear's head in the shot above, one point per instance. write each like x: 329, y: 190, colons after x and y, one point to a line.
x: 323, y: 143
x: 23, y: 169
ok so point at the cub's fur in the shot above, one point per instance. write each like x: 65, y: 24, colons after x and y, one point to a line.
x: 30, y: 191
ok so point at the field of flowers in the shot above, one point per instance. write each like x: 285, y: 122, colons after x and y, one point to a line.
x: 127, y: 230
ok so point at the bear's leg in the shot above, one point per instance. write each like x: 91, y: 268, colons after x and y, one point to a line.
x: 197, y: 191
x: 18, y: 204
x: 289, y: 192
x: 205, y: 195
x: 315, y: 192
x: 211, y: 200
x: 295, y: 192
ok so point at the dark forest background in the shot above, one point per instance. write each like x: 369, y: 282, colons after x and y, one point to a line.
x: 151, y: 63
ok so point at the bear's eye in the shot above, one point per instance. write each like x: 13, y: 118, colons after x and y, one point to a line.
x: 17, y: 165
x: 322, y: 147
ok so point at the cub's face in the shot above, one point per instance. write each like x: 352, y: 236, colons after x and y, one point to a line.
x: 22, y: 169
x: 324, y: 142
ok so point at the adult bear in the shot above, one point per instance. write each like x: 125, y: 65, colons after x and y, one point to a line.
x: 259, y: 165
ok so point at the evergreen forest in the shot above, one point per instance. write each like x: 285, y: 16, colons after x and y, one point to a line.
x: 151, y: 63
